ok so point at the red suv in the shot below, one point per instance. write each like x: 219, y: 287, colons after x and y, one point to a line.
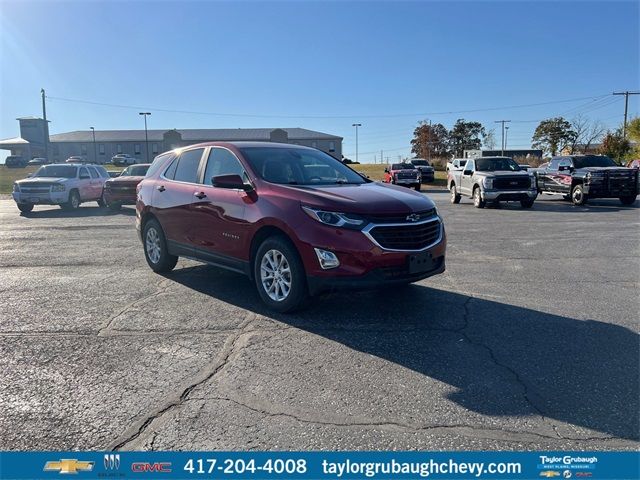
x: 294, y: 219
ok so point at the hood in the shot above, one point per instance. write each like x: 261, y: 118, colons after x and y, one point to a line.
x: 504, y: 173
x: 42, y: 180
x: 125, y: 180
x: 366, y: 198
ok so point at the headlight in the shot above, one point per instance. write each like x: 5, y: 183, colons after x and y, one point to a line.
x: 335, y: 219
x: 488, y: 182
x: 58, y: 187
x: 16, y: 188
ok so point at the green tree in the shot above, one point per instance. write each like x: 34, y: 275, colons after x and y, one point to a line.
x: 465, y: 136
x: 614, y: 145
x: 633, y: 129
x: 553, y: 135
x: 430, y: 140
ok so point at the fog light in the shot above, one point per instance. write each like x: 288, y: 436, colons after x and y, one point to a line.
x: 327, y: 259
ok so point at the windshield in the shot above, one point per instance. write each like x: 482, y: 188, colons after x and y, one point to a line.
x: 496, y: 164
x: 421, y: 163
x: 135, y: 171
x: 57, y: 171
x: 593, y: 161
x: 298, y: 166
x: 402, y: 166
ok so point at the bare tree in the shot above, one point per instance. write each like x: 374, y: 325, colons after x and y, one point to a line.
x: 587, y: 132
x: 489, y: 139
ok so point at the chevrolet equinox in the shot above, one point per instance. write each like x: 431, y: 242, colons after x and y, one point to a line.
x: 293, y: 219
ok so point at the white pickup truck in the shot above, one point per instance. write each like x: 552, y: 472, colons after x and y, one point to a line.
x: 492, y: 179
x: 64, y: 184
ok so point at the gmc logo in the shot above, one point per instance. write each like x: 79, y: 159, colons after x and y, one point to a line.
x: 139, y: 467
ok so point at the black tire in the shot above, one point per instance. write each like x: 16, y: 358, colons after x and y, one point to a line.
x: 455, y: 196
x: 417, y: 186
x: 25, y: 207
x: 526, y: 203
x: 578, y: 197
x: 74, y: 201
x: 115, y: 206
x: 159, y: 260
x: 478, y: 202
x: 298, y: 293
x: 567, y: 197
x: 629, y: 200
x: 101, y: 201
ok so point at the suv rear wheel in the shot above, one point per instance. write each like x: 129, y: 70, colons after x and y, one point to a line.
x: 155, y: 248
x: 279, y: 275
x: 27, y: 207
x: 628, y: 200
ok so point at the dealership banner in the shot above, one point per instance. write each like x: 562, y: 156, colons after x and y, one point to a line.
x: 320, y: 465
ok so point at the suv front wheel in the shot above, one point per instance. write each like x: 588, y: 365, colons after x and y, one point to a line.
x: 279, y: 275
x: 155, y: 248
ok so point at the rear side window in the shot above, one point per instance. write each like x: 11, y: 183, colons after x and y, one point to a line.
x: 93, y: 172
x: 103, y: 172
x: 84, y: 173
x: 187, y: 168
x: 157, y: 163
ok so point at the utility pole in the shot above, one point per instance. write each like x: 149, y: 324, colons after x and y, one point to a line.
x: 506, y: 135
x: 146, y: 137
x: 356, y: 125
x: 502, y: 143
x: 626, y: 108
x: 95, y: 151
x: 46, y: 126
x: 429, y: 143
x: 381, y: 161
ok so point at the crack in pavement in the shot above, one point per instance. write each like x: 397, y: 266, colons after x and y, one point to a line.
x: 232, y: 346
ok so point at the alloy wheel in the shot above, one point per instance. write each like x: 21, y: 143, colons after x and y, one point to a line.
x: 275, y: 275
x: 152, y: 243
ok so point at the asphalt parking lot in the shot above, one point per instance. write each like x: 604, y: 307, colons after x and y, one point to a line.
x: 529, y: 341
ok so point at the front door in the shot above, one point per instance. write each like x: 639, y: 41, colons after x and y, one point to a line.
x: 221, y: 232
x: 466, y: 178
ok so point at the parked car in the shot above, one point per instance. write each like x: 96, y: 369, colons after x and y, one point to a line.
x: 121, y: 190
x: 15, y: 161
x: 427, y: 172
x: 114, y: 173
x: 634, y: 164
x: 492, y: 179
x: 580, y: 177
x: 37, y: 161
x: 67, y: 185
x: 123, y: 159
x: 456, y: 164
x: 75, y: 159
x: 403, y: 174
x: 259, y: 208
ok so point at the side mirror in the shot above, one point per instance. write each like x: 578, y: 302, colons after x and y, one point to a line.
x: 231, y: 182
x: 386, y: 170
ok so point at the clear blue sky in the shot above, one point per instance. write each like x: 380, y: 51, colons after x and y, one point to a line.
x: 355, y: 62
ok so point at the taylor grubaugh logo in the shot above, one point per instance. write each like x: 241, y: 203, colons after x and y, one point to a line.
x: 68, y: 465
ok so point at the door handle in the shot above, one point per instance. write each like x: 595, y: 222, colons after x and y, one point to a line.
x: 200, y: 195
x: 161, y: 188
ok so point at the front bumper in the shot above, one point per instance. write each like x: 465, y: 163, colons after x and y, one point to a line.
x: 509, y: 195
x: 123, y: 198
x: 601, y: 190
x: 428, y: 177
x: 50, y: 198
x: 407, y: 181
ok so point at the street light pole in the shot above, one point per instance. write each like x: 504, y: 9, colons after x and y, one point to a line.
x: 95, y: 151
x: 146, y: 136
x: 356, y: 125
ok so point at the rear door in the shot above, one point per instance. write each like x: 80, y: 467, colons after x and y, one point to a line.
x: 172, y: 198
x: 84, y: 184
x: 96, y: 183
x: 221, y: 232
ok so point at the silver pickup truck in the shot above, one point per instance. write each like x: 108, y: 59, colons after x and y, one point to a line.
x: 492, y: 179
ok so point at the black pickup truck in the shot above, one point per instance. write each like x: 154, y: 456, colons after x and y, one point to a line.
x: 580, y: 177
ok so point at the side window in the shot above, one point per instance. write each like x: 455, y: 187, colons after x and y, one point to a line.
x: 470, y: 166
x: 103, y: 172
x: 188, y: 163
x: 156, y: 164
x: 171, y: 171
x: 84, y: 173
x: 222, y: 162
x: 94, y: 173
x: 554, y: 164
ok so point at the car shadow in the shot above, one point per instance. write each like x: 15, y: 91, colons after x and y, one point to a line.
x: 83, y: 211
x: 503, y: 360
x: 559, y: 205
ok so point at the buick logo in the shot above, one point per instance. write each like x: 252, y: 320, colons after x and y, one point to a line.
x: 414, y: 217
x: 111, y: 461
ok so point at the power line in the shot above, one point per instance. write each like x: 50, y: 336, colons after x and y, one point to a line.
x: 626, y: 108
x: 250, y: 115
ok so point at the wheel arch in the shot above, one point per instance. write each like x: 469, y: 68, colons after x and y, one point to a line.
x: 260, y: 236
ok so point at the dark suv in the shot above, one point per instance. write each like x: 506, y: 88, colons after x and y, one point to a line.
x: 294, y: 219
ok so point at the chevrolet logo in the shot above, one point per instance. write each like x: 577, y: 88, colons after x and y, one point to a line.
x: 414, y: 217
x: 66, y: 465
x: 549, y: 474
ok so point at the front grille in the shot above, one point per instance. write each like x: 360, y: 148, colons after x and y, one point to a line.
x: 408, y: 175
x: 402, y: 218
x: 511, y: 183
x: 121, y: 189
x: 408, y: 236
x: 40, y: 187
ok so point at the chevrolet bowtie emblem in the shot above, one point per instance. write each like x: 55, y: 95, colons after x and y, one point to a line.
x: 66, y: 465
x: 549, y: 474
x: 414, y: 217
